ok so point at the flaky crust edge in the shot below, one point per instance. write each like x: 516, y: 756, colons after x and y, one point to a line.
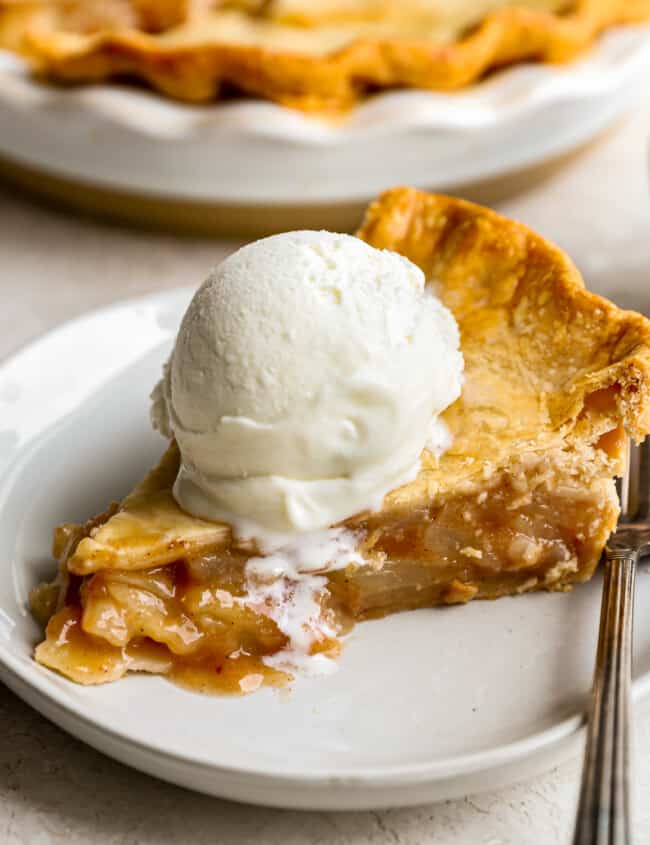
x: 414, y: 223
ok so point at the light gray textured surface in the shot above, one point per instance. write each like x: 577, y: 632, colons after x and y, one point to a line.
x: 55, y: 790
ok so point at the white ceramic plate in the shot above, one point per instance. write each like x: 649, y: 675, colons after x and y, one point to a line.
x: 425, y: 705
x: 256, y: 153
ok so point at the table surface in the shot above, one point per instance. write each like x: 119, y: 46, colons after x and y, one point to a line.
x: 53, y: 789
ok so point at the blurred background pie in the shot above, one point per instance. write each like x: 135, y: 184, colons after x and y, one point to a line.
x: 221, y: 118
x: 317, y: 55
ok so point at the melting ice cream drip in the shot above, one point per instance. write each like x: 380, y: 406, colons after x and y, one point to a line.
x: 288, y: 585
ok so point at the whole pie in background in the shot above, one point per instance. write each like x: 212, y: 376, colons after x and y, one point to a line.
x: 556, y: 381
x: 322, y: 54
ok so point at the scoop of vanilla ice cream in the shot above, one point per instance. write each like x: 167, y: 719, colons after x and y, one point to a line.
x: 306, y: 376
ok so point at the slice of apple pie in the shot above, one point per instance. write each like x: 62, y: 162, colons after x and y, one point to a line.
x: 556, y: 380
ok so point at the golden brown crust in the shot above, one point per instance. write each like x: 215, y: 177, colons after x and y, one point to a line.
x: 148, y: 530
x: 551, y: 372
x: 19, y: 17
x: 520, y: 300
x: 196, y: 67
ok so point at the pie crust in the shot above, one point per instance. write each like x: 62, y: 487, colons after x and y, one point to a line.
x: 556, y: 380
x: 319, y: 55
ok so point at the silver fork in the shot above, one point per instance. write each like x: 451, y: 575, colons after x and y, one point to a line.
x: 604, y: 807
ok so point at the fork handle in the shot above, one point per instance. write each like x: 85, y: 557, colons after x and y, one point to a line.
x: 604, y: 807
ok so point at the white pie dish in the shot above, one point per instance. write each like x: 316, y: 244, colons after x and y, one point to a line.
x: 253, y: 153
x: 425, y: 706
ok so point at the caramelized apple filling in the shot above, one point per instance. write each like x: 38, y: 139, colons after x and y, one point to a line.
x: 485, y: 545
x: 190, y: 620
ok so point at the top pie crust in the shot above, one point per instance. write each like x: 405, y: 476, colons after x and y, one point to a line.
x: 317, y: 55
x: 550, y: 368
